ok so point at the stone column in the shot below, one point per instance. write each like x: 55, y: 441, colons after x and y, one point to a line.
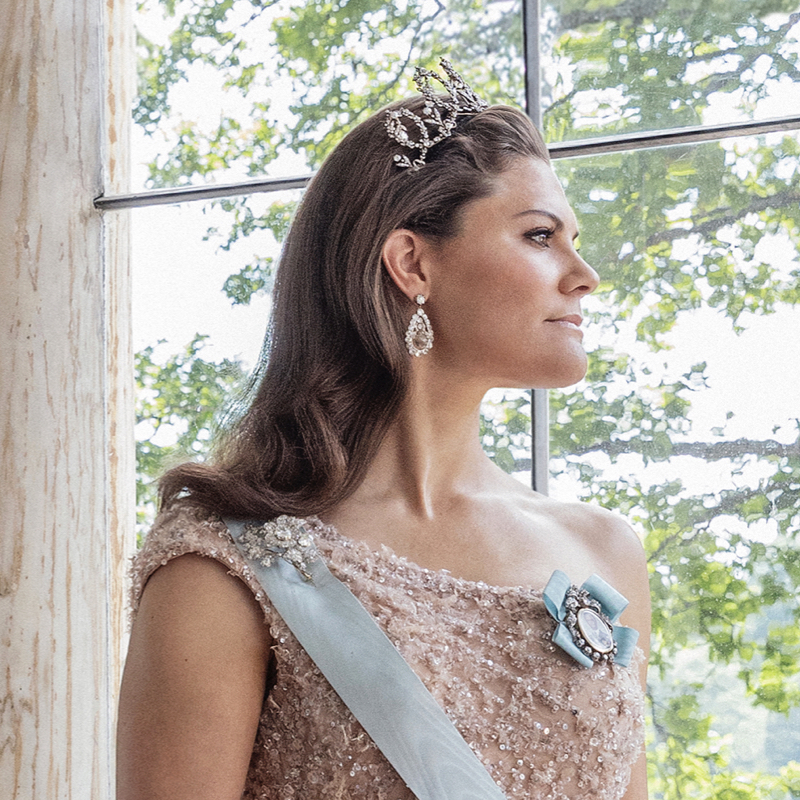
x: 66, y: 420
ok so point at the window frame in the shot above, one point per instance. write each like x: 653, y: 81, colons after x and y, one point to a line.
x: 531, y: 32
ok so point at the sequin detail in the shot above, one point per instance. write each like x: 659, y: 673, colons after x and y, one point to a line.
x: 283, y: 537
x: 546, y: 728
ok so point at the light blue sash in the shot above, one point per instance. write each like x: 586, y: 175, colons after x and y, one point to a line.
x: 371, y: 677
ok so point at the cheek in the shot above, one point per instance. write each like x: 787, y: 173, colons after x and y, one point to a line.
x: 466, y: 289
x: 505, y: 282
x: 494, y: 325
x: 492, y: 292
x: 519, y: 299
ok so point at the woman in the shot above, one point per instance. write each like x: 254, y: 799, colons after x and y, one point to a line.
x: 364, y: 424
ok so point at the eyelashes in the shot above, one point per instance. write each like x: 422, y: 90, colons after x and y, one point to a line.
x: 540, y: 236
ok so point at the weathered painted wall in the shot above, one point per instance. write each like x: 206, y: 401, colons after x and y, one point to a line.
x: 66, y: 446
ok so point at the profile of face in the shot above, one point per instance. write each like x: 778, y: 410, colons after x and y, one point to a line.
x: 504, y: 294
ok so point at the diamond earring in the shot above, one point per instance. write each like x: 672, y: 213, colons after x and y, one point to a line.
x: 419, y: 334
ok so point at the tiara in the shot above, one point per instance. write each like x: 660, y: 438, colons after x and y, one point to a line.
x: 439, y: 114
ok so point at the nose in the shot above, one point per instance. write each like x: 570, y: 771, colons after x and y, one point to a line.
x: 581, y: 279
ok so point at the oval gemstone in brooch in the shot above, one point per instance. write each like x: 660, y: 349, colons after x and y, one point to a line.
x: 591, y: 630
x: 595, y: 630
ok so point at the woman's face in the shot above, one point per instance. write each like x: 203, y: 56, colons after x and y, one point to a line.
x: 505, y: 292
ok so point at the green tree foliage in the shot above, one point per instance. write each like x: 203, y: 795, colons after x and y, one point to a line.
x: 178, y: 400
x: 672, y: 231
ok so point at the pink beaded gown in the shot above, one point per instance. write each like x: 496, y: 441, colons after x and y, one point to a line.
x: 545, y: 727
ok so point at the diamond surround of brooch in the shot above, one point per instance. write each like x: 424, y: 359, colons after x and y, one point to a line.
x: 283, y: 537
x: 591, y: 630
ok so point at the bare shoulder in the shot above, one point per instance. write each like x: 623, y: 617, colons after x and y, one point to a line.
x: 616, y: 552
x: 600, y: 530
x: 193, y: 685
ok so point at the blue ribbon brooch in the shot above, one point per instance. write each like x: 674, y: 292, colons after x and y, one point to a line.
x: 586, y: 621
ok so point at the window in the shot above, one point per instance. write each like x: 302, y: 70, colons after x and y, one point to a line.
x: 672, y: 129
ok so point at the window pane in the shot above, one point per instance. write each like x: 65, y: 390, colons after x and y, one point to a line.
x: 506, y: 431
x: 202, y: 275
x: 688, y: 426
x: 646, y: 66
x: 243, y: 90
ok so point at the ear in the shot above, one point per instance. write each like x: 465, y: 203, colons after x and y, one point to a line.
x: 404, y: 259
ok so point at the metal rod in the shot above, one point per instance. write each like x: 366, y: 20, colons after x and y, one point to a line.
x: 183, y: 194
x: 540, y: 440
x: 581, y: 147
x: 692, y: 135
x: 531, y: 45
x: 540, y: 399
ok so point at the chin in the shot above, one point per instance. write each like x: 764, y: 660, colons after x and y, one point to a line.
x: 566, y: 372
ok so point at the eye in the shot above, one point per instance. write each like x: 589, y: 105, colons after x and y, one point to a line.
x: 541, y: 236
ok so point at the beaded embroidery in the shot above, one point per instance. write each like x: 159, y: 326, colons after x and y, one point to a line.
x: 283, y: 537
x: 546, y: 728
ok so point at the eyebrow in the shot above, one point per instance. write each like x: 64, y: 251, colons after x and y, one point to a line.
x: 558, y: 221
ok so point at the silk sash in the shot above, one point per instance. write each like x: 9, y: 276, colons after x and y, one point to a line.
x: 375, y: 682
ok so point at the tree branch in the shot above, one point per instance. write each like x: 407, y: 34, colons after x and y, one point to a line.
x: 635, y: 10
x: 708, y: 451
x: 781, y: 199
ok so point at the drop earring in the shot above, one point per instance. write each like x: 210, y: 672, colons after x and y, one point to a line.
x: 419, y: 334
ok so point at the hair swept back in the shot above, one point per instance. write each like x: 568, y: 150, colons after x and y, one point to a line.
x: 334, y: 369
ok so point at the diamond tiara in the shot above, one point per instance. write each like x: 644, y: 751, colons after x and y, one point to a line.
x: 439, y: 114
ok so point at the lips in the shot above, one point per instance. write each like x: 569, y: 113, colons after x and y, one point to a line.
x: 569, y: 319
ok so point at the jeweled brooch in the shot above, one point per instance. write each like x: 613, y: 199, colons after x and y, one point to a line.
x: 283, y: 537
x: 586, y: 618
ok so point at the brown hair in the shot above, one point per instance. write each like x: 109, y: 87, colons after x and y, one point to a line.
x: 334, y: 369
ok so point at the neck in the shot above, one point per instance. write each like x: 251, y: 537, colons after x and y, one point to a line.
x: 431, y: 454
